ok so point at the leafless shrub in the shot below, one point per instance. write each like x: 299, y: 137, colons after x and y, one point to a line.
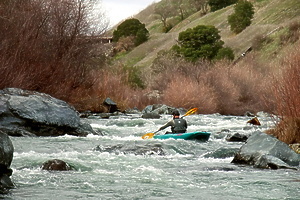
x: 225, y: 90
x: 125, y: 44
x: 287, y: 86
x: 221, y: 86
x: 183, y: 91
x: 287, y: 130
x: 43, y: 46
x: 286, y: 90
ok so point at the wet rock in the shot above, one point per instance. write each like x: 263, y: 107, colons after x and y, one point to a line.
x: 111, y: 105
x: 249, y: 114
x: 104, y: 115
x: 85, y: 114
x: 222, y: 153
x: 236, y: 137
x: 148, y: 149
x: 254, y: 121
x: 6, y: 157
x: 151, y: 116
x: 221, y: 134
x: 265, y: 151
x: 161, y: 109
x: 271, y: 162
x: 29, y: 113
x: 133, y: 111
x: 56, y: 165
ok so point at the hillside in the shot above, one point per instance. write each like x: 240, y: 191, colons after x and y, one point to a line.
x: 270, y: 16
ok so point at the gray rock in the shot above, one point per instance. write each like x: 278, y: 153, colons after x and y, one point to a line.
x: 265, y: 151
x: 29, y: 113
x: 236, y: 137
x: 151, y: 116
x: 271, y: 162
x: 111, y: 105
x: 161, y: 109
x: 6, y: 150
x: 133, y: 111
x: 6, y: 157
x: 148, y: 149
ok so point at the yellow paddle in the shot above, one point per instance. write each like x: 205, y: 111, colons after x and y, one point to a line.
x: 148, y: 135
x: 189, y: 112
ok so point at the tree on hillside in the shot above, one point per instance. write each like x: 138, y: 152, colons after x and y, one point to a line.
x: 219, y: 4
x: 201, y: 42
x: 242, y: 16
x: 200, y: 5
x: 182, y: 9
x: 165, y: 9
x: 131, y: 27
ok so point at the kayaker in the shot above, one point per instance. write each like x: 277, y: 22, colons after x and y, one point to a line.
x: 178, y: 125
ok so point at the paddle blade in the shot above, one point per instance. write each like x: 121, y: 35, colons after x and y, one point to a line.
x: 148, y: 136
x: 191, y: 111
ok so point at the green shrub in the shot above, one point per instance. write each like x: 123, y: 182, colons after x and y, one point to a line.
x: 242, y: 16
x: 225, y: 53
x: 200, y: 42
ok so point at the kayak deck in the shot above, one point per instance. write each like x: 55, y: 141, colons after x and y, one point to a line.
x: 198, y: 135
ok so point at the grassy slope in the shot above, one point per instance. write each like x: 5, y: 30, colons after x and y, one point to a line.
x: 269, y: 16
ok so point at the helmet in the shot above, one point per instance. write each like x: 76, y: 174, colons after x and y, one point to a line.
x: 176, y: 113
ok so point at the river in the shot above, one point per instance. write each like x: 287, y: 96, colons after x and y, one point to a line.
x: 182, y: 170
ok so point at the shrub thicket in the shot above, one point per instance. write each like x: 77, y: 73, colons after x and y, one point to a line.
x: 44, y: 45
x: 218, y: 87
x: 286, y: 89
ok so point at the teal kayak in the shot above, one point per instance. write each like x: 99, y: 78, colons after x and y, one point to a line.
x: 198, y: 135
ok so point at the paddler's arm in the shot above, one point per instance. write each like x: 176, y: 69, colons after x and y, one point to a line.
x: 170, y: 123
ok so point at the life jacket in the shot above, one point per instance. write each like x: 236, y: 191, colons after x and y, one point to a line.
x: 180, y: 126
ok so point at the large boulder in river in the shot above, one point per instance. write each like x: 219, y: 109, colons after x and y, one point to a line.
x: 6, y: 157
x: 29, y: 113
x: 265, y: 151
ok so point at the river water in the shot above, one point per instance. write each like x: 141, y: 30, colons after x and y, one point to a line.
x: 120, y: 165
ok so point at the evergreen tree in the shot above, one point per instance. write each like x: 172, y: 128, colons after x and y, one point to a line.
x: 131, y: 27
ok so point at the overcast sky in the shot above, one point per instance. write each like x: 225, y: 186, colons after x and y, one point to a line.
x: 118, y: 10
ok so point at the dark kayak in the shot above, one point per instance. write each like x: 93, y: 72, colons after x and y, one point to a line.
x: 198, y: 135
